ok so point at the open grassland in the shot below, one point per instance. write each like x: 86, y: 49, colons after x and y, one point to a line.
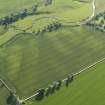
x: 33, y: 62
x: 12, y: 6
x: 87, y: 89
x: 69, y: 10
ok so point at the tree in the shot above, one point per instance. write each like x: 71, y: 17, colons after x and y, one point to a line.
x: 69, y: 79
x: 23, y: 14
x: 53, y: 87
x: 48, y: 91
x: 58, y: 85
x: 11, y: 99
x: 34, y: 9
x: 47, y: 2
x: 40, y: 94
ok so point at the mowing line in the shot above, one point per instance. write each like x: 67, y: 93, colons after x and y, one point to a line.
x: 75, y: 74
x: 71, y: 24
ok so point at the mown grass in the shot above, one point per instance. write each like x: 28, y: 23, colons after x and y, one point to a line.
x: 87, y: 89
x: 33, y: 62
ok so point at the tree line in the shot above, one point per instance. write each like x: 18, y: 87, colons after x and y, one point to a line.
x: 51, y: 89
x: 41, y: 93
x: 5, y: 21
x: 98, y: 22
x: 49, y: 28
x: 22, y: 14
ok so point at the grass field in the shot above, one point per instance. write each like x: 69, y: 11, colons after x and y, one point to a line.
x: 29, y: 62
x: 87, y: 89
x: 56, y: 11
x: 50, y: 55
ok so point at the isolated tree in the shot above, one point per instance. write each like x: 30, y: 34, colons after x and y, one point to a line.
x: 102, y: 22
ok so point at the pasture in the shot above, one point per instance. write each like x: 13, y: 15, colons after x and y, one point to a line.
x: 87, y: 89
x: 29, y: 62
x: 49, y: 55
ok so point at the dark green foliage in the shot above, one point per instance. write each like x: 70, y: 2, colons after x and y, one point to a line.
x: 53, y: 88
x: 16, y: 16
x: 69, y: 79
x: 58, y: 85
x: 40, y: 95
x: 98, y: 22
x: 11, y: 99
x: 48, y: 2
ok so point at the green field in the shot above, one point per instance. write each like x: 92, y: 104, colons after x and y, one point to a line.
x: 87, y: 89
x: 29, y: 62
x: 48, y: 55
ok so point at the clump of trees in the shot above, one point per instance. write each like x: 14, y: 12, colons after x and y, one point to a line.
x: 5, y: 21
x: 50, y: 28
x: 48, y: 2
x: 98, y: 22
x: 52, y: 88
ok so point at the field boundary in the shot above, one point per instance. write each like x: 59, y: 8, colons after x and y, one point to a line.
x: 75, y: 74
x: 63, y: 80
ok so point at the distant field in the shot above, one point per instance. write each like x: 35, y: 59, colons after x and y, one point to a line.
x: 87, y: 89
x: 100, y: 4
x: 11, y: 6
x: 3, y: 96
